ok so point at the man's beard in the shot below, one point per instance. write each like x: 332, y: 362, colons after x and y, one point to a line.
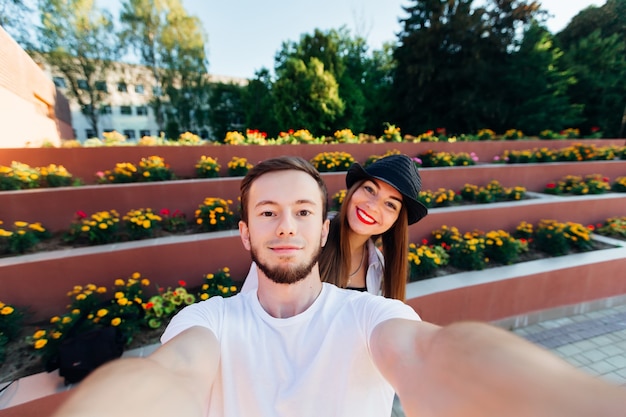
x: 286, y: 275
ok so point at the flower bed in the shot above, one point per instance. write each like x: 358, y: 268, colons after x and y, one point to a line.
x: 84, y: 163
x: 62, y: 203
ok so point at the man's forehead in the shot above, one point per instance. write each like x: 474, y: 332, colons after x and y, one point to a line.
x: 286, y: 185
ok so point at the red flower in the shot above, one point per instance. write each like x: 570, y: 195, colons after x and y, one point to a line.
x: 81, y: 214
x: 605, y: 179
x: 182, y: 283
x: 595, y: 129
x: 551, y: 185
x: 424, y: 241
x: 441, y: 130
x: 149, y: 305
x: 590, y: 227
x: 164, y: 212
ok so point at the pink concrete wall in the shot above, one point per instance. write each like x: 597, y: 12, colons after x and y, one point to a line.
x: 534, y: 292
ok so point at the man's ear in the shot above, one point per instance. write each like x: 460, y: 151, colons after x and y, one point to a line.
x: 244, y: 232
x: 325, y: 230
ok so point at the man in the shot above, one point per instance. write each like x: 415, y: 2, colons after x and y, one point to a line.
x: 298, y: 347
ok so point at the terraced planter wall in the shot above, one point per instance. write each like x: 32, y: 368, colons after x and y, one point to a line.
x: 41, y: 280
x: 55, y: 208
x: 517, y: 290
x: 85, y: 162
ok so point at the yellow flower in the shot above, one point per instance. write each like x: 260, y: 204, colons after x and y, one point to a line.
x: 135, y: 275
x: 41, y: 343
x: 56, y: 335
x: 116, y: 321
x: 55, y: 319
x: 145, y: 282
x: 119, y: 282
x: 6, y: 310
x: 122, y: 301
x: 119, y: 294
x: 102, y: 312
x: 39, y: 334
x: 204, y: 296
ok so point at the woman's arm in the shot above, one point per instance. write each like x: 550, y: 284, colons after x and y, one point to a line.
x: 474, y: 369
x: 175, y: 380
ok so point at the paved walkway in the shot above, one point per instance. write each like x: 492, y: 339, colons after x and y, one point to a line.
x: 594, y: 342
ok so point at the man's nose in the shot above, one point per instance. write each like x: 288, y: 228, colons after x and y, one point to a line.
x: 287, y: 225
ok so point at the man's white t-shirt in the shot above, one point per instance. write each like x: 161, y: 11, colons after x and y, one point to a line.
x: 317, y: 363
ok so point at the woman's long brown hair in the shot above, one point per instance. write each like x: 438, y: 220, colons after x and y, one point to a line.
x: 335, y: 258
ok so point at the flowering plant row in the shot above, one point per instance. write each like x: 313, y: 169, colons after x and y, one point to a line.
x: 213, y: 214
x: 19, y: 176
x: 154, y: 168
x: 477, y: 250
x: 576, y: 153
x: 589, y: 184
x: 391, y: 133
x: 127, y: 308
x: 491, y: 193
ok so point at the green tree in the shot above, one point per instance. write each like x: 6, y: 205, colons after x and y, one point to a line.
x: 537, y: 86
x: 594, y: 45
x: 599, y: 65
x: 257, y: 98
x: 172, y: 44
x: 77, y: 39
x: 347, y: 59
x: 225, y: 109
x: 377, y: 89
x: 307, y: 96
x: 450, y: 61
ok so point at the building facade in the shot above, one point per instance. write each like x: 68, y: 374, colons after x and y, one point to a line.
x: 32, y: 111
x: 129, y: 90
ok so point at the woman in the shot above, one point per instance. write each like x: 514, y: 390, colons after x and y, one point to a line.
x: 381, y: 202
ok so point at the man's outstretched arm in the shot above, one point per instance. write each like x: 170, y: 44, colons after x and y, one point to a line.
x: 175, y: 380
x: 478, y: 370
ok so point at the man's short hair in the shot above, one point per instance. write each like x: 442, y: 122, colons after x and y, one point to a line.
x: 281, y: 163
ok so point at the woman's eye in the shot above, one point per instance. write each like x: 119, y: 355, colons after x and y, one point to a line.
x: 369, y: 189
x: 392, y: 206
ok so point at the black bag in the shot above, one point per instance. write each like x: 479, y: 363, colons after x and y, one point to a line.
x: 81, y: 354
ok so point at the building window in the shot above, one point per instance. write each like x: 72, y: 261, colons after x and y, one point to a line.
x: 143, y: 133
x: 130, y: 134
x: 82, y: 84
x: 101, y: 86
x: 59, y: 82
x: 89, y: 134
x: 139, y: 89
x: 105, y: 109
x: 126, y: 110
x: 142, y: 111
x: 156, y: 91
x: 121, y: 87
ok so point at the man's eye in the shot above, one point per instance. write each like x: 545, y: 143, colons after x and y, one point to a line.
x: 304, y: 213
x: 267, y: 214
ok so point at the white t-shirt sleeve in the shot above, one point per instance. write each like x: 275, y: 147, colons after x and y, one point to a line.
x: 206, y: 314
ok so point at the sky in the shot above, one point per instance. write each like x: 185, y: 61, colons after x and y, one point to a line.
x: 244, y: 35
